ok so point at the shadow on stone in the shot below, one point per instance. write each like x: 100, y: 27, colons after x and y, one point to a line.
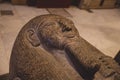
x: 117, y: 58
x: 4, y: 76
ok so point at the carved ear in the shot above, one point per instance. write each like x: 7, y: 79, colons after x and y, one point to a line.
x: 33, y: 38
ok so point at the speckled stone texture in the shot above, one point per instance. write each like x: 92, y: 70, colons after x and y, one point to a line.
x: 34, y: 58
x: 30, y: 61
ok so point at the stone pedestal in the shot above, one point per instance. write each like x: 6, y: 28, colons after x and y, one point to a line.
x: 101, y: 4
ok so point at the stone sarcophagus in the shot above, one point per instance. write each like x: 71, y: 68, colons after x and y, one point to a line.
x: 49, y: 47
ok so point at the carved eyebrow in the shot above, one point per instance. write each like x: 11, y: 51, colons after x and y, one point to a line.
x: 61, y: 24
x: 44, y: 23
x: 49, y: 24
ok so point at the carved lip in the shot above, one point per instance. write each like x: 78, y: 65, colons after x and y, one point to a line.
x: 69, y: 36
x: 69, y: 43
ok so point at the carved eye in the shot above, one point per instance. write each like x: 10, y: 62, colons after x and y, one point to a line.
x: 66, y: 29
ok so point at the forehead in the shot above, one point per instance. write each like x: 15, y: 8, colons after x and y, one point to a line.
x: 62, y: 20
x: 44, y: 21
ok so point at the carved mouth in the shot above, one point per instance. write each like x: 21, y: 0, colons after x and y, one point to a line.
x: 69, y: 36
x: 69, y: 42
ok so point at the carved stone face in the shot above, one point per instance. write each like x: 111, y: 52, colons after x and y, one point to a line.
x: 57, y: 32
